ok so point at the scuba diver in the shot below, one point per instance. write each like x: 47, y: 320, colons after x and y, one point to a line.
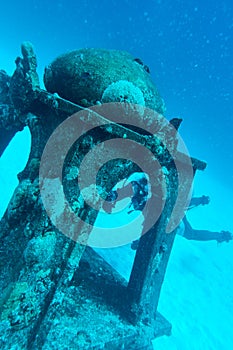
x: 140, y: 192
x: 202, y: 235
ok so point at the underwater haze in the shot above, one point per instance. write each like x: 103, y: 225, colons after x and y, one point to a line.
x: 188, y: 47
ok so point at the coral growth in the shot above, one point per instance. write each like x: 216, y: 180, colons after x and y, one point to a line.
x: 123, y: 91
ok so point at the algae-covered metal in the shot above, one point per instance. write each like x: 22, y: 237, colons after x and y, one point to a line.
x: 56, y: 293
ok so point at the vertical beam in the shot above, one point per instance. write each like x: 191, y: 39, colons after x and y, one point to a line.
x: 153, y: 253
x: 149, y: 270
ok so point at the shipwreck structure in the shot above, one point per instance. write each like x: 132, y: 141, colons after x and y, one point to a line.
x: 57, y: 293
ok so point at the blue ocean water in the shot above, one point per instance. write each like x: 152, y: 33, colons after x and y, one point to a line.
x: 188, y: 46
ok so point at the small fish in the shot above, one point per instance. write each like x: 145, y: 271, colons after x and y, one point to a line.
x: 139, y: 61
x: 85, y: 75
x: 147, y: 69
